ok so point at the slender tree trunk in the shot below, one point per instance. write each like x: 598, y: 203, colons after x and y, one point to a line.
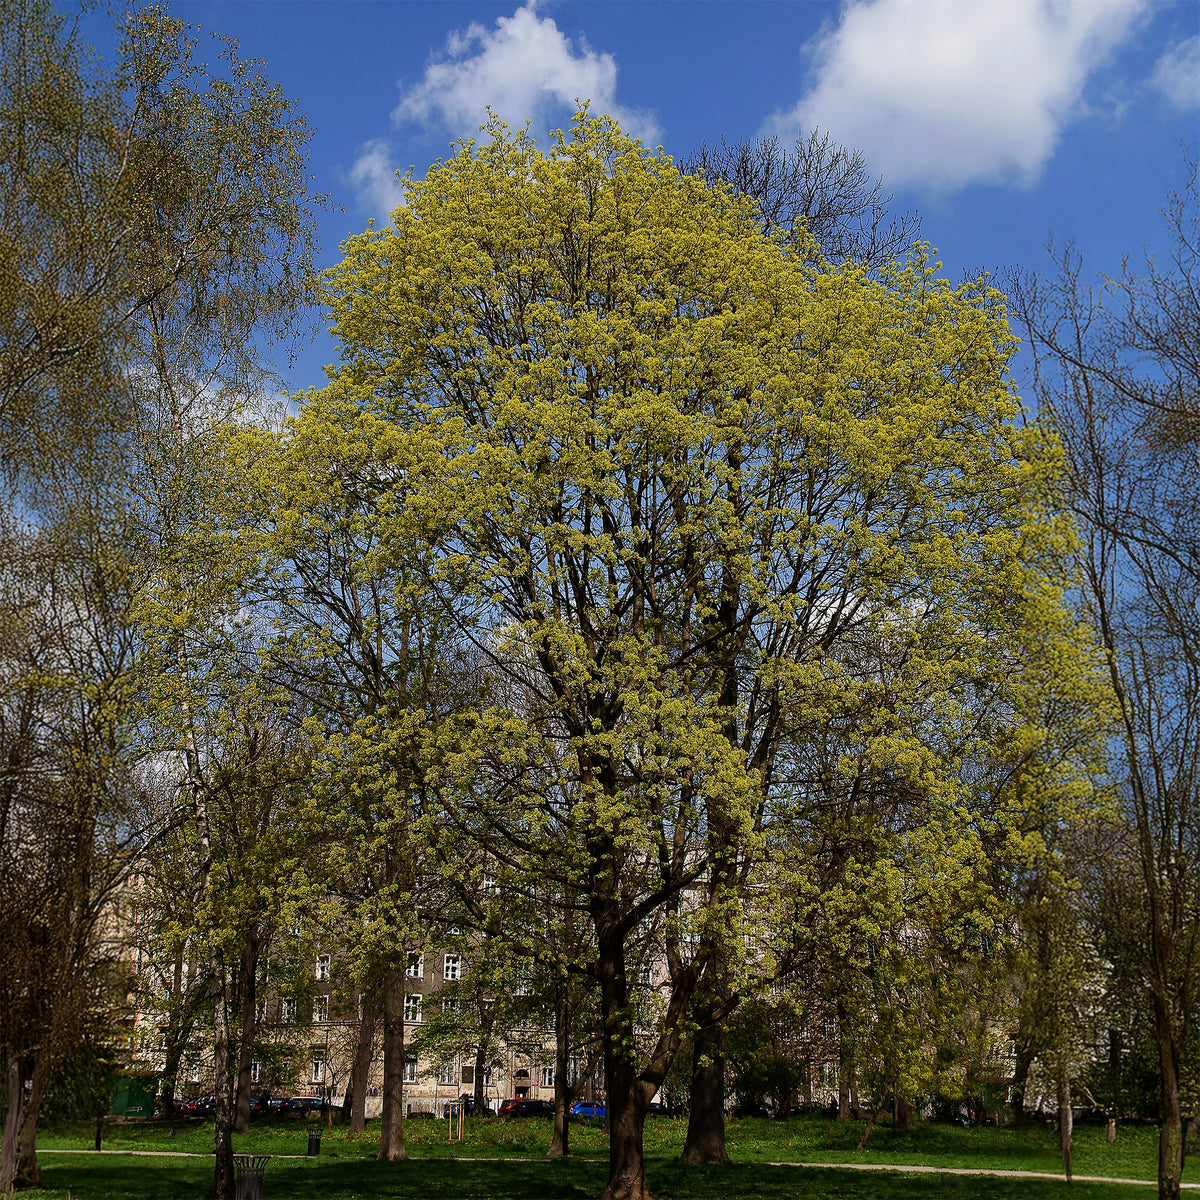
x: 487, y: 1020
x: 391, y: 1130
x: 1170, y: 1129
x: 223, y: 1178
x: 560, y: 1143
x: 1064, y: 1115
x: 246, y: 1041
x: 705, y: 1142
x: 361, y: 1074
x: 845, y: 1064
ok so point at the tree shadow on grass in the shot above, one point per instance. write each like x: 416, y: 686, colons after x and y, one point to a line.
x: 119, y: 1178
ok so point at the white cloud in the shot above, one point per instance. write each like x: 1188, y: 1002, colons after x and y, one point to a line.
x: 943, y: 93
x: 525, y: 69
x: 374, y: 177
x: 1177, y: 74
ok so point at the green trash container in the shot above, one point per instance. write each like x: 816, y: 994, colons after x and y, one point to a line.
x: 250, y: 1169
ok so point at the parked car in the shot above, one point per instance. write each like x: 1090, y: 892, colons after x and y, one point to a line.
x: 588, y: 1108
x: 526, y: 1108
x: 753, y: 1110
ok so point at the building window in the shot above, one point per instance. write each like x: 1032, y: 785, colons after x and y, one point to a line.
x: 416, y: 965
x: 547, y: 1077
x: 321, y: 1009
x: 452, y: 967
x: 644, y: 977
x: 322, y: 968
x: 256, y: 1072
x: 410, y: 1069
x: 318, y: 1064
x: 287, y: 1010
x: 195, y: 1071
x: 449, y: 1004
x: 448, y: 1073
x: 260, y: 1011
x: 412, y: 1007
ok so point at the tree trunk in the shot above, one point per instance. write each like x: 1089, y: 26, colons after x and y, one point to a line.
x: 902, y: 1114
x: 487, y: 1020
x: 627, y: 1098
x: 223, y: 1172
x: 28, y: 1169
x: 845, y: 1065
x: 361, y: 1074
x: 18, y: 1148
x: 1170, y: 1129
x: 1021, y: 1079
x: 391, y: 1130
x: 560, y: 1143
x: 241, y: 1120
x: 705, y: 1142
x: 1064, y: 1116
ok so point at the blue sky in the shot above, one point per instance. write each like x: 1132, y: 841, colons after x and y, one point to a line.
x: 999, y: 121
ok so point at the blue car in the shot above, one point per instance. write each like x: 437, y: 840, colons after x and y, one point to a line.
x: 588, y: 1108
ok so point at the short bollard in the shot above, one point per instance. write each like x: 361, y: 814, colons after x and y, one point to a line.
x: 250, y: 1168
x: 314, y: 1143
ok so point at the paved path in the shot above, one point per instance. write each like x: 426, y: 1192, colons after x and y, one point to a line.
x: 828, y: 1166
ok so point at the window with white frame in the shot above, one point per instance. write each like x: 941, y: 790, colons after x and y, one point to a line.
x: 256, y: 1072
x: 415, y: 967
x: 322, y: 967
x: 572, y: 1072
x: 318, y: 1066
x: 548, y: 1077
x: 321, y: 1009
x: 449, y: 1004
x: 410, y: 1069
x: 452, y: 967
x: 448, y: 1073
x: 195, y: 1070
x: 412, y: 1006
x: 644, y: 976
x: 260, y: 1011
x: 287, y: 1010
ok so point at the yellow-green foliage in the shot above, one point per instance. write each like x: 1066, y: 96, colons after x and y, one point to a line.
x: 744, y: 542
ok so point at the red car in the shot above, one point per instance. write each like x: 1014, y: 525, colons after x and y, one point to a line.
x: 527, y: 1108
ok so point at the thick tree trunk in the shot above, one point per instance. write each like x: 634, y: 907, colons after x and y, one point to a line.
x: 705, y: 1142
x: 902, y: 1114
x: 391, y: 1129
x: 249, y: 971
x: 628, y: 1097
x: 18, y: 1148
x: 14, y: 1088
x: 361, y: 1073
x: 223, y: 1172
x: 29, y: 1171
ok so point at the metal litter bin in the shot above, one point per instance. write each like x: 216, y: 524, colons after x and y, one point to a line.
x: 250, y: 1168
x: 314, y: 1143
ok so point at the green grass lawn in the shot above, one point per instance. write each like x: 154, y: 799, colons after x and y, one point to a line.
x: 346, y: 1167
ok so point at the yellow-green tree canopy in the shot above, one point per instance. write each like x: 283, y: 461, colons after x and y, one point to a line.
x: 698, y: 499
